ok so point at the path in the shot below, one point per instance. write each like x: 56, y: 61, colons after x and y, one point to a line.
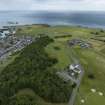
x: 75, y: 90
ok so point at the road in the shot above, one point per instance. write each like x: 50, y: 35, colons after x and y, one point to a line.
x: 17, y: 47
x: 66, y: 77
x: 75, y: 59
x: 75, y: 90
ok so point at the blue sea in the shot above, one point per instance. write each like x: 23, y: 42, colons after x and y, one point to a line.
x: 87, y: 19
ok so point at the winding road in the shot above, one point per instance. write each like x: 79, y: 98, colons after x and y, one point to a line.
x: 75, y: 90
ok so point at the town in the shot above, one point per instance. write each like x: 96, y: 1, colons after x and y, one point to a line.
x: 10, y: 43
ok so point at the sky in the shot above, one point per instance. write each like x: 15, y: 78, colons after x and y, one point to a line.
x: 53, y: 5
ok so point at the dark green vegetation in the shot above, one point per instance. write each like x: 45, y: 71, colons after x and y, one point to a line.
x: 32, y: 69
x: 23, y: 100
x: 63, y: 36
x: 39, y: 82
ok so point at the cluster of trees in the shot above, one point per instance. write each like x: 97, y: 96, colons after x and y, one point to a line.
x: 63, y: 36
x: 56, y: 48
x: 95, y: 33
x: 33, y: 69
x: 98, y: 32
x: 99, y: 39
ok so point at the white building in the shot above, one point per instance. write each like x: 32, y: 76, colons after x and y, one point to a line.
x: 4, y: 33
x: 75, y: 68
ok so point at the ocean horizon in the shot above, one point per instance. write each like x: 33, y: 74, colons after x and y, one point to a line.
x: 73, y: 18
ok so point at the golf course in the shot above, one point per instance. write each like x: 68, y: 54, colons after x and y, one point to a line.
x: 55, y: 53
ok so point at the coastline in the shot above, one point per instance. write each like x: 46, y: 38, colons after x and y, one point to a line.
x: 88, y: 19
x: 49, y: 25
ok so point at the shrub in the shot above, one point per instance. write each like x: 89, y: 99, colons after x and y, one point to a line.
x: 91, y: 76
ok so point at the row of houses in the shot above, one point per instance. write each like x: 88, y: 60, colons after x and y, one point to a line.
x: 19, y: 45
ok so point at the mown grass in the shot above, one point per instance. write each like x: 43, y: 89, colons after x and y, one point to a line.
x: 62, y: 54
x: 94, y: 64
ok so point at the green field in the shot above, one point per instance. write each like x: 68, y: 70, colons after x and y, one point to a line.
x: 92, y: 59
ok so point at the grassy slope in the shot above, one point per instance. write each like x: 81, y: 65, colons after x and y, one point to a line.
x: 40, y: 101
x: 92, y: 60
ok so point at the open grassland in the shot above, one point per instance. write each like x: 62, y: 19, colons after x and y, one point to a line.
x: 92, y: 59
